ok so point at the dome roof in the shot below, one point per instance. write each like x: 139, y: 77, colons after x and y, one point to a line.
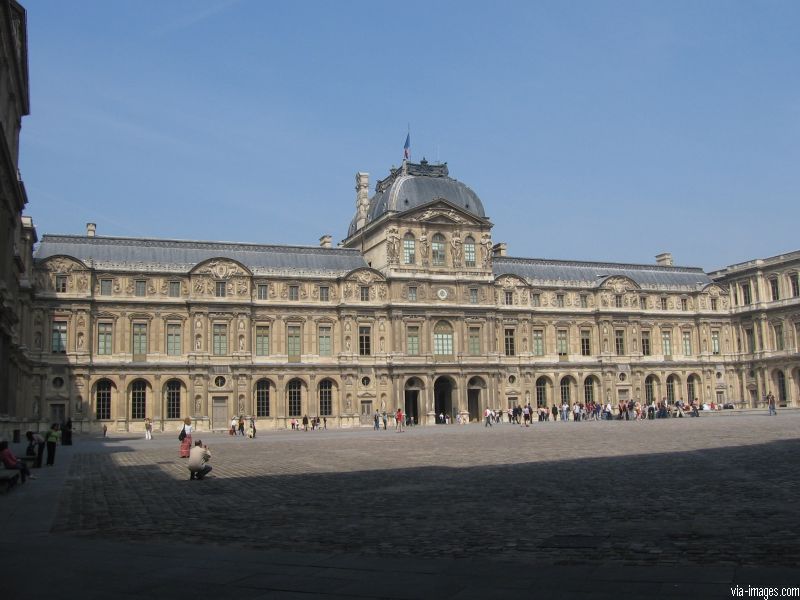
x: 417, y: 184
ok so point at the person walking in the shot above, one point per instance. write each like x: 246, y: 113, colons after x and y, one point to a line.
x: 487, y: 415
x: 771, y: 405
x: 305, y: 422
x: 241, y: 426
x: 52, y: 438
x: 398, y: 418
x: 148, y: 429
x: 185, y: 437
x: 252, y: 427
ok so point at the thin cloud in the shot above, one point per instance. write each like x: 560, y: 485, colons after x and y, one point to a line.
x: 191, y: 19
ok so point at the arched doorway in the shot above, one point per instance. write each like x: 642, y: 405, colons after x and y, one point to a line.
x: 412, y: 391
x: 651, y: 389
x: 780, y: 379
x: 474, y: 388
x: 443, y: 398
x: 692, y: 387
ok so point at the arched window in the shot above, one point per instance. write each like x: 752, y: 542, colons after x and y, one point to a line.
x: 174, y: 399
x: 588, y: 390
x: 671, y: 389
x: 408, y: 249
x: 781, y: 388
x: 443, y: 339
x: 102, y: 399
x: 541, y: 392
x: 437, y: 249
x: 565, y: 390
x: 138, y: 399
x: 326, y: 398
x: 262, y: 398
x: 294, y: 394
x: 649, y: 389
x: 469, y: 251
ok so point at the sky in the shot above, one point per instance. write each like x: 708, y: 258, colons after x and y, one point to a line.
x: 602, y: 131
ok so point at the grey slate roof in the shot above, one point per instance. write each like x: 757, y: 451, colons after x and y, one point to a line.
x: 418, y: 184
x: 593, y: 274
x: 138, y: 254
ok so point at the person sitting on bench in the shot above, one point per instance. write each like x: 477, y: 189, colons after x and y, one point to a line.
x: 12, y: 462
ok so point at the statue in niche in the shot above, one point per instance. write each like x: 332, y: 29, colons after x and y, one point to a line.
x: 37, y: 340
x: 347, y: 344
x: 486, y: 250
x: 80, y: 341
x: 423, y: 245
x: 198, y: 344
x: 35, y: 408
x: 392, y: 246
x: 457, y: 248
x: 197, y: 405
x: 241, y: 343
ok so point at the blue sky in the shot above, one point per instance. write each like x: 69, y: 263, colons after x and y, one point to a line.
x: 590, y: 130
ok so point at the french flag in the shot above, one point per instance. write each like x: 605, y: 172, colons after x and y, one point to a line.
x: 407, y: 146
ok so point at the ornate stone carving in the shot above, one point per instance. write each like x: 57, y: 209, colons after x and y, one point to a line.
x: 392, y: 246
x: 457, y: 248
x: 221, y: 269
x: 447, y: 213
x: 486, y: 250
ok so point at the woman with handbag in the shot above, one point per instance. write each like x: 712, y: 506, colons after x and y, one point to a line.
x: 185, y: 438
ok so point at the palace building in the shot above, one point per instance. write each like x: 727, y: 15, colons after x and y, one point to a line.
x: 418, y: 308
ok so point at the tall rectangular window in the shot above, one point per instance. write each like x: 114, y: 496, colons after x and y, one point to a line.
x: 262, y: 340
x: 618, y: 301
x: 174, y: 339
x: 412, y: 293
x: 324, y: 340
x: 104, y: 338
x: 666, y: 343
x: 408, y: 250
x: 139, y: 339
x: 778, y: 336
x: 619, y: 341
x: 140, y: 287
x: 714, y: 304
x: 751, y: 340
x: 536, y: 299
x: 364, y: 340
x: 469, y: 253
x: 561, y: 342
x: 643, y: 302
x: 443, y: 341
x: 61, y: 283
x: 294, y: 292
x: 293, y: 349
x: 220, y: 289
x: 105, y: 287
x: 584, y: 301
x: 509, y: 298
x: 773, y: 288
x: 262, y: 291
x: 220, y: 333
x: 364, y: 292
x: 473, y: 295
x: 324, y: 293
x: 746, y: 296
x: 538, y: 342
x: 645, y: 343
x: 684, y: 304
x: 474, y: 341
x: 560, y: 300
x: 795, y: 285
x: 586, y: 342
x: 412, y: 340
x: 687, y: 343
x: 510, y: 347
x: 715, y: 342
x: 663, y: 303
x: 103, y: 397
x: 174, y: 289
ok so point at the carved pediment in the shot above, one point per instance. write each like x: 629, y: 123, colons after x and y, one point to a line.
x: 619, y: 284
x: 220, y: 269
x: 510, y: 281
x: 63, y: 264
x: 364, y: 276
x: 442, y: 211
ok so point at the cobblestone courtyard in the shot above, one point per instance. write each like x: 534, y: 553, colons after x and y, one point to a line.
x: 721, y: 489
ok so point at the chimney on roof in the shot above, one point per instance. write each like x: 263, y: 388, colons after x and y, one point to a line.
x: 325, y: 241
x: 664, y: 259
x: 499, y: 249
x: 362, y: 198
x: 91, y: 229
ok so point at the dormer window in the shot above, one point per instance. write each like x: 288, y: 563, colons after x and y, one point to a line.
x: 437, y: 250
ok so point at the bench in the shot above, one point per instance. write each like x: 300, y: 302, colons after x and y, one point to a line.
x: 9, y: 477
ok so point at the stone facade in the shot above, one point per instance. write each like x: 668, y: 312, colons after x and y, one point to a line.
x: 417, y: 308
x: 17, y: 234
